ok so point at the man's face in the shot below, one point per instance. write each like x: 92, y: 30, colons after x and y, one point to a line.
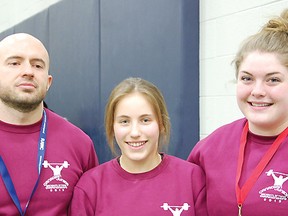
x: 24, y: 78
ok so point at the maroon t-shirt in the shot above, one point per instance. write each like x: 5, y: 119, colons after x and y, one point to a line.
x: 175, y: 187
x: 69, y: 153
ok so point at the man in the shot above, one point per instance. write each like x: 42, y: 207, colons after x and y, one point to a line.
x: 42, y: 155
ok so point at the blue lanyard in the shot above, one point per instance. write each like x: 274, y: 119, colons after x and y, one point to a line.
x: 5, y: 174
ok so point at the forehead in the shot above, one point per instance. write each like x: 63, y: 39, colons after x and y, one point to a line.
x: 136, y: 102
x: 262, y: 61
x: 24, y: 46
x: 259, y: 56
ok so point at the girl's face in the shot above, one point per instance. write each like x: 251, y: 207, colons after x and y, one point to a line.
x: 136, y: 132
x: 262, y: 93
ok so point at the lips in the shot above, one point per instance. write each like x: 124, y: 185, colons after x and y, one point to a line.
x: 136, y: 144
x: 27, y: 85
x: 260, y: 104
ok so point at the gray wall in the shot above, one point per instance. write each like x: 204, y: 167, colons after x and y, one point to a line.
x: 95, y: 44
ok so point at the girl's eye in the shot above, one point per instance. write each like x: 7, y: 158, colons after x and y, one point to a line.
x: 146, y: 120
x: 123, y: 122
x: 274, y: 79
x: 246, y: 78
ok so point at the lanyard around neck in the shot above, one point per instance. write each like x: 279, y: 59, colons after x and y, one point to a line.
x: 5, y: 174
x: 242, y: 193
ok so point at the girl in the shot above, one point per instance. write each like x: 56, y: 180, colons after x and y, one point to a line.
x: 142, y: 180
x: 245, y: 161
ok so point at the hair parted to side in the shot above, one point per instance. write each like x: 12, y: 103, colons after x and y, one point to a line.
x: 272, y: 38
x: 152, y: 94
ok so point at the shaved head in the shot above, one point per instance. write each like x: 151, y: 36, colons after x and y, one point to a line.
x: 10, y: 41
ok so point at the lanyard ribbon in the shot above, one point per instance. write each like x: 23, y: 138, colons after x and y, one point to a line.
x: 241, y: 193
x: 5, y: 174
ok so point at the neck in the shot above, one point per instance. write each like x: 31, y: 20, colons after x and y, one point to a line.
x: 16, y: 117
x: 140, y: 166
x: 267, y: 131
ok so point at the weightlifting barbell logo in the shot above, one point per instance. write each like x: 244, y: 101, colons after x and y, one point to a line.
x: 270, y: 172
x: 56, y: 167
x: 176, y: 210
x: 279, y: 179
x: 46, y: 164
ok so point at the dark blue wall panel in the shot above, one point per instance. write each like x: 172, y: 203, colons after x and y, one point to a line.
x: 75, y: 32
x: 94, y: 44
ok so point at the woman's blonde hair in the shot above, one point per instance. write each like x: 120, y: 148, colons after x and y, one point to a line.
x: 272, y: 38
x: 152, y: 94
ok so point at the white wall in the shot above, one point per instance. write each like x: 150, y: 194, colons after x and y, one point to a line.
x: 223, y: 25
x: 13, y: 12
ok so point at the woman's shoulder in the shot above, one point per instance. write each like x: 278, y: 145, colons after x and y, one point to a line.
x: 94, y: 174
x: 228, y: 130
x: 181, y: 164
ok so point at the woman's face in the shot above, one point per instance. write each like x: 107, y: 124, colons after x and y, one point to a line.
x: 262, y: 93
x: 136, y: 131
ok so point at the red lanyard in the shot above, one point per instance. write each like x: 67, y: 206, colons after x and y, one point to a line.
x: 242, y: 193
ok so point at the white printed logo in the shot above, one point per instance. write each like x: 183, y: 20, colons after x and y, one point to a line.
x: 275, y: 193
x: 175, y: 210
x: 60, y: 184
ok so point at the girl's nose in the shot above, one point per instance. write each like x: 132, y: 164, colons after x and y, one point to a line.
x: 135, y: 132
x: 258, y: 90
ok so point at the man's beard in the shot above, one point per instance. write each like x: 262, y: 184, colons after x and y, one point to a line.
x: 21, y: 105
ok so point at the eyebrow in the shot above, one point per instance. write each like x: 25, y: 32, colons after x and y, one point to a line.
x: 33, y: 60
x: 268, y: 74
x: 13, y: 57
x: 121, y: 116
x: 141, y: 116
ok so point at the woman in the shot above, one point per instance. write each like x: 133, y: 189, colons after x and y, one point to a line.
x: 141, y: 181
x: 244, y: 161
